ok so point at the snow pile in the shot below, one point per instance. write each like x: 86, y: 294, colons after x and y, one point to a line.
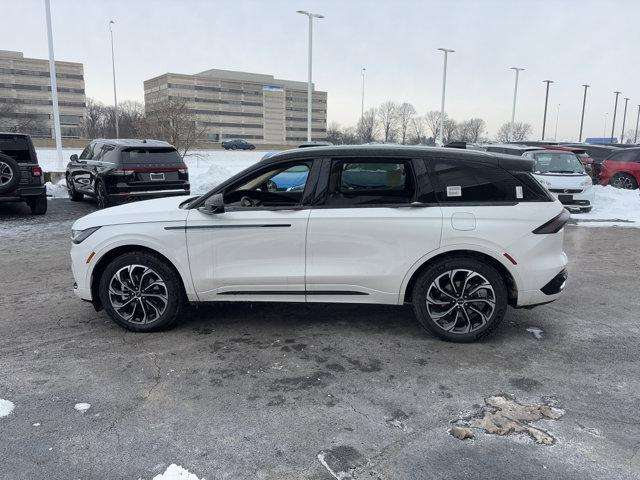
x: 6, y: 407
x: 176, y: 472
x: 57, y: 190
x: 613, y: 206
x: 82, y: 407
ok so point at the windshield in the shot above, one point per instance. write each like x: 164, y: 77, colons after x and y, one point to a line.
x: 557, y: 162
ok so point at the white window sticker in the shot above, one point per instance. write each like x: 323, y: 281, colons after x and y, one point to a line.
x: 518, y: 191
x: 454, y: 191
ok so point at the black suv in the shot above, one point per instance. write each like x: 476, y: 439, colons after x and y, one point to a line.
x: 120, y: 171
x: 20, y: 175
x: 237, y: 144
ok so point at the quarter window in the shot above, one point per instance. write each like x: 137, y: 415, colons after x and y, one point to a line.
x: 365, y: 182
x: 627, y: 156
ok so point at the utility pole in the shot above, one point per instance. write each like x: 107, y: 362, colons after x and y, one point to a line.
x: 515, y: 95
x: 54, y: 86
x: 624, y: 119
x: 584, y: 102
x: 615, y: 110
x: 113, y: 69
x: 555, y: 136
x: 362, y: 103
x: 546, y: 101
x: 635, y: 138
x: 311, y: 16
x: 446, y: 51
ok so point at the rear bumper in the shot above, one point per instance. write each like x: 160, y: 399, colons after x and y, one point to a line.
x: 22, y: 193
x: 126, y: 197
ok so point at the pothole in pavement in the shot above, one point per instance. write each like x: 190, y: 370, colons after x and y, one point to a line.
x: 504, y: 415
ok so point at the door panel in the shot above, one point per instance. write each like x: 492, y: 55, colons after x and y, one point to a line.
x: 240, y: 252
x: 366, y: 252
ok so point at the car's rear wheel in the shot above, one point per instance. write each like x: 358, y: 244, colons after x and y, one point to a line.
x: 38, y: 205
x: 74, y: 195
x: 460, y: 299
x: 586, y: 209
x: 101, y: 196
x: 233, y: 147
x: 9, y: 174
x: 624, y: 180
x: 252, y: 147
x: 141, y: 292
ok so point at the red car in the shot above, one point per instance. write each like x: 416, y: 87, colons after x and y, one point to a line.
x: 622, y: 169
x: 581, y: 153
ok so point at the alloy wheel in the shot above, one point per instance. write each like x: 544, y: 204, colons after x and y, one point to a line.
x: 138, y: 294
x: 460, y: 301
x: 6, y: 173
x: 623, y: 181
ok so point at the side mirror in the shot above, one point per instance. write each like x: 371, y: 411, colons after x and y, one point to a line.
x: 214, y: 204
x: 74, y: 158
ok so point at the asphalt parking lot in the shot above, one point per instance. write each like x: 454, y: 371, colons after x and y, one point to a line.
x: 273, y: 391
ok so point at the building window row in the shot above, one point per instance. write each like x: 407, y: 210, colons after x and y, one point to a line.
x: 46, y: 88
x: 231, y: 114
x: 33, y: 101
x: 229, y: 124
x: 300, y: 129
x: 228, y: 102
x: 33, y: 73
x: 213, y: 89
x: 301, y: 139
x: 313, y: 110
x: 303, y: 119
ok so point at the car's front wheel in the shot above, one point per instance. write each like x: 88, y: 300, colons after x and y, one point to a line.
x: 74, y: 195
x: 460, y: 299
x: 141, y: 292
x: 624, y: 180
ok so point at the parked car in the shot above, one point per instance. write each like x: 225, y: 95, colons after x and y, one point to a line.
x: 597, y: 152
x: 622, y: 169
x: 582, y: 155
x: 237, y: 144
x: 21, y: 178
x: 562, y: 173
x: 459, y: 234
x: 121, y: 171
x: 510, y: 149
x: 315, y: 143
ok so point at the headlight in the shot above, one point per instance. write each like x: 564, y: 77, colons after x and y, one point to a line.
x: 586, y: 183
x: 79, y: 236
x: 543, y: 182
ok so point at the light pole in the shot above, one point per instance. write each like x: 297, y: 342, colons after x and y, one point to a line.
x: 635, y: 137
x: 446, y: 51
x: 113, y: 68
x: 624, y: 119
x: 546, y: 101
x: 555, y: 135
x: 604, y: 130
x: 311, y: 16
x: 362, y: 104
x: 584, y: 102
x: 54, y: 86
x: 615, y: 110
x: 515, y: 95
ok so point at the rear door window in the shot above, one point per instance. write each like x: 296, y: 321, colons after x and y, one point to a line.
x: 151, y: 157
x: 370, y: 182
x: 625, y: 156
x: 16, y: 147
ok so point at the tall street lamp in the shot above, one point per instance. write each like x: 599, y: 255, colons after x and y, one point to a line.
x: 615, y: 110
x: 515, y: 95
x: 624, y: 119
x: 446, y: 51
x: 362, y: 103
x: 584, y: 102
x: 635, y: 138
x: 555, y: 135
x: 311, y: 16
x: 113, y: 69
x: 546, y: 101
x: 604, y: 130
x: 54, y: 85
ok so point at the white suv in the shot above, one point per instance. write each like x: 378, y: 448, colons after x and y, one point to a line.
x: 459, y: 234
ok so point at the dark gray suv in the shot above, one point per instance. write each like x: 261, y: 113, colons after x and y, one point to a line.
x: 21, y: 177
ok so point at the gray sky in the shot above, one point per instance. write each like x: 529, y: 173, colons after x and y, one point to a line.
x: 569, y: 41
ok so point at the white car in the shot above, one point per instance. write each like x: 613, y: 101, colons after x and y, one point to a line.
x: 564, y: 176
x: 458, y: 234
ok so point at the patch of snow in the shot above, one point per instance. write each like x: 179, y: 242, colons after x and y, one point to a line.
x: 536, y: 332
x: 36, y: 424
x: 6, y: 407
x: 176, y: 472
x: 57, y: 190
x: 82, y: 407
x: 612, y: 207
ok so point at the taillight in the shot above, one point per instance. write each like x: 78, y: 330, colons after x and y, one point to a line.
x: 554, y: 225
x: 122, y: 172
x: 36, y: 171
x: 184, y: 170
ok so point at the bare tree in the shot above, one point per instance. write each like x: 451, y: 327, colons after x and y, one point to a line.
x: 406, y: 114
x: 418, y: 133
x: 388, y: 115
x: 173, y: 121
x: 14, y: 119
x: 450, y: 133
x: 521, y: 132
x: 341, y: 136
x: 130, y: 119
x: 368, y: 126
x: 432, y: 120
x: 92, y: 125
x: 471, y: 130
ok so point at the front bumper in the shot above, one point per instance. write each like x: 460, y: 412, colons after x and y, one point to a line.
x: 576, y: 201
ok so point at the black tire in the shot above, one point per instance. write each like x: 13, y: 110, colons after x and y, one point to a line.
x: 625, y: 181
x: 74, y: 195
x: 482, y: 321
x: 233, y: 147
x: 252, y: 147
x: 101, y: 196
x: 38, y: 205
x: 9, y: 174
x: 586, y: 210
x: 161, y: 270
